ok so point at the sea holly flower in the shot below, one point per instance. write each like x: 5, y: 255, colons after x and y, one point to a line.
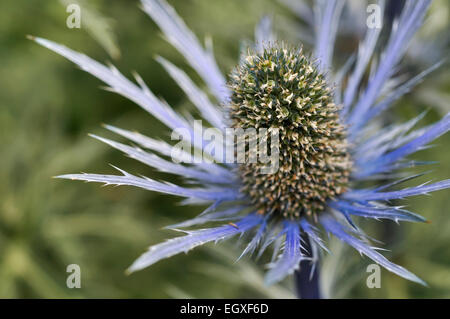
x: 328, y: 145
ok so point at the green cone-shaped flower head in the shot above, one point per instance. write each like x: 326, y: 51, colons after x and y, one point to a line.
x: 281, y: 88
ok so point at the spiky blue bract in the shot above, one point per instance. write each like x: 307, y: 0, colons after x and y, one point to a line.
x: 291, y: 256
x: 377, y: 154
x: 403, y: 30
x: 194, y: 239
x: 337, y: 229
x: 327, y: 14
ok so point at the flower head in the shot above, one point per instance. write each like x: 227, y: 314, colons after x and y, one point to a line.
x: 328, y: 145
x: 280, y: 88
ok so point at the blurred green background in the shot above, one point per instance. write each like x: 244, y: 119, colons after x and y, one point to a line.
x: 48, y: 106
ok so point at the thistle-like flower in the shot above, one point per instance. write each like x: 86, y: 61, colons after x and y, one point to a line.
x: 328, y: 145
x: 281, y: 88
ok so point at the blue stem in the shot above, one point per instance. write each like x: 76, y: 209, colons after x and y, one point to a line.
x: 307, y: 286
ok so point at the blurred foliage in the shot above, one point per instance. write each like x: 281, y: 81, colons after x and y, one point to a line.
x: 98, y: 26
x: 47, y: 107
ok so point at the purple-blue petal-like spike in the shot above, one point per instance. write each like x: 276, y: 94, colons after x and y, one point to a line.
x: 256, y: 240
x: 338, y: 80
x: 179, y: 35
x: 365, y: 52
x: 338, y: 230
x: 327, y: 13
x: 166, y: 149
x: 386, y: 139
x: 397, y: 93
x: 213, y: 194
x: 291, y: 256
x: 383, y: 162
x: 368, y: 195
x: 431, y: 134
x: 395, y: 214
x: 210, y: 216
x: 410, y: 20
x: 193, y: 239
x: 201, y: 101
x: 310, y: 230
x: 399, y: 181
x: 121, y: 85
x: 165, y: 166
x: 274, y: 234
